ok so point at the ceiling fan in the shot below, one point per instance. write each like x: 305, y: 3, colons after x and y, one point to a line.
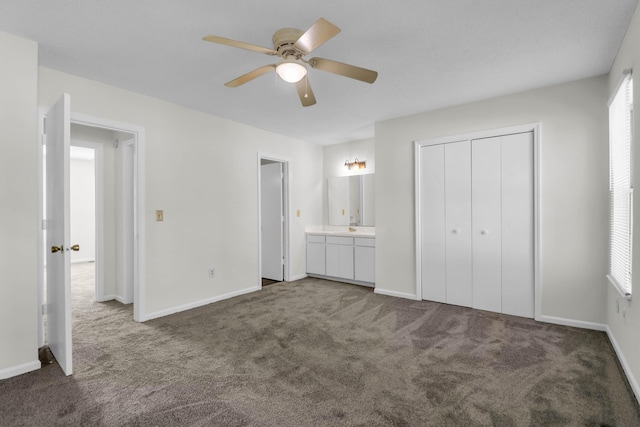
x: 292, y: 45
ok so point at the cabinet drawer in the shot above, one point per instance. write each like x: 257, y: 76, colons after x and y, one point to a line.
x: 365, y: 241
x: 339, y: 240
x: 314, y: 238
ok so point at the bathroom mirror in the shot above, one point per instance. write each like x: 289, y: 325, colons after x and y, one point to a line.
x: 350, y: 200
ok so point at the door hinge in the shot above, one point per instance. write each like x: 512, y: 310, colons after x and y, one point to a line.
x: 44, y: 139
x: 44, y: 308
x: 44, y: 224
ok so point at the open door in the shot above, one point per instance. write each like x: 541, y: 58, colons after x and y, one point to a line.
x: 272, y: 221
x: 58, y: 137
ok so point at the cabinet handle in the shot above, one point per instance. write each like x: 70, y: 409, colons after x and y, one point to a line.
x: 484, y: 232
x: 455, y: 231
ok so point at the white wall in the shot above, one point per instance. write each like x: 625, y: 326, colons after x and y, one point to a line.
x: 624, y: 324
x: 82, y: 208
x: 202, y: 171
x: 573, y: 190
x: 18, y: 206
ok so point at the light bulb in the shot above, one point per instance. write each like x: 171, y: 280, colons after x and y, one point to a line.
x: 291, y: 71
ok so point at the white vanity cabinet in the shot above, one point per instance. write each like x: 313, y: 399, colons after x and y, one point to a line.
x: 315, y: 254
x: 342, y: 258
x: 364, y: 259
x: 339, y: 257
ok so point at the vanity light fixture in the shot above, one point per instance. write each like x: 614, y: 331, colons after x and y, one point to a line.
x: 356, y: 164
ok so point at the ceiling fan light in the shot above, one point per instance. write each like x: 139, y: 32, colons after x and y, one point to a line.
x: 291, y: 71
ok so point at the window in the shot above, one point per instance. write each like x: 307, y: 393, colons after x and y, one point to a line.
x: 621, y: 186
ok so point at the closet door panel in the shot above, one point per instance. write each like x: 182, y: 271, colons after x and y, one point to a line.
x: 457, y: 168
x: 487, y: 224
x: 432, y: 212
x: 517, y: 225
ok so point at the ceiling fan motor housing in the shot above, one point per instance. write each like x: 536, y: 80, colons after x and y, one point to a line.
x: 284, y: 41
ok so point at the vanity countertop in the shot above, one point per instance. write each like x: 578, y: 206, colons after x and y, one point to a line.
x: 357, y: 233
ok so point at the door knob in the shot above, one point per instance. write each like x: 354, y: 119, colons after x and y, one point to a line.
x: 484, y: 232
x: 55, y: 249
x: 75, y: 248
x: 455, y: 231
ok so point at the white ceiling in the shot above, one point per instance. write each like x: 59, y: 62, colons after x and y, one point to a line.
x: 429, y: 53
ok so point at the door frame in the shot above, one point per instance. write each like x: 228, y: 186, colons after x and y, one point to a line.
x: 138, y: 177
x: 285, y: 226
x: 531, y: 127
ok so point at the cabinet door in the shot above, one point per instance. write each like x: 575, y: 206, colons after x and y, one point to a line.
x: 487, y: 223
x: 432, y: 224
x: 457, y: 168
x: 365, y: 263
x: 316, y: 258
x: 517, y: 225
x: 340, y: 261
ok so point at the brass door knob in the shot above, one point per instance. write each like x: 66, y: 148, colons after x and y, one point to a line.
x: 55, y: 249
x: 75, y: 248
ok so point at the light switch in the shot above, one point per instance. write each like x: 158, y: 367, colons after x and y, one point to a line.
x: 159, y: 215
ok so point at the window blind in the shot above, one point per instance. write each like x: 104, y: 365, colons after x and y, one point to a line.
x: 621, y: 186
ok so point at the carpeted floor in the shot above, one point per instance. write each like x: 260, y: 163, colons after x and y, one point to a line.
x: 314, y: 353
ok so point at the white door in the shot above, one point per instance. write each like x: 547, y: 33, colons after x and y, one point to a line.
x: 486, y: 204
x: 433, y: 225
x: 517, y: 225
x: 271, y: 212
x: 58, y: 131
x: 457, y: 169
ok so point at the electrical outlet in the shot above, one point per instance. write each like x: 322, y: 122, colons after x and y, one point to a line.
x: 212, y: 273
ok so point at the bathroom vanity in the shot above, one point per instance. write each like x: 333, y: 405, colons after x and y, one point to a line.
x: 342, y: 256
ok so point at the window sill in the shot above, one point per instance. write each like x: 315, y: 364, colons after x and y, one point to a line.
x: 623, y: 293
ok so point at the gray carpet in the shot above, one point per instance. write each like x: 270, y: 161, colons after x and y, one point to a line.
x: 314, y: 353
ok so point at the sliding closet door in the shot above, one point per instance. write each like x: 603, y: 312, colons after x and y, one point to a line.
x: 457, y: 171
x: 517, y: 225
x: 487, y: 223
x: 432, y: 212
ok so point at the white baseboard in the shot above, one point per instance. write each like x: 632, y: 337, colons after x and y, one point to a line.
x: 106, y: 298
x: 298, y: 277
x: 19, y: 369
x: 387, y: 292
x: 114, y: 297
x: 574, y: 323
x: 625, y: 366
x: 196, y: 304
x: 121, y: 300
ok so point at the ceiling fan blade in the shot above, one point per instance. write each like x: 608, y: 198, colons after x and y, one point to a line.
x: 321, y: 31
x: 305, y: 93
x: 335, y: 67
x: 250, y: 76
x: 241, y: 45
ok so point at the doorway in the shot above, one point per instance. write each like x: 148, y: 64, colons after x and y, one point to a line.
x: 273, y: 227
x: 119, y: 206
x: 84, y: 183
